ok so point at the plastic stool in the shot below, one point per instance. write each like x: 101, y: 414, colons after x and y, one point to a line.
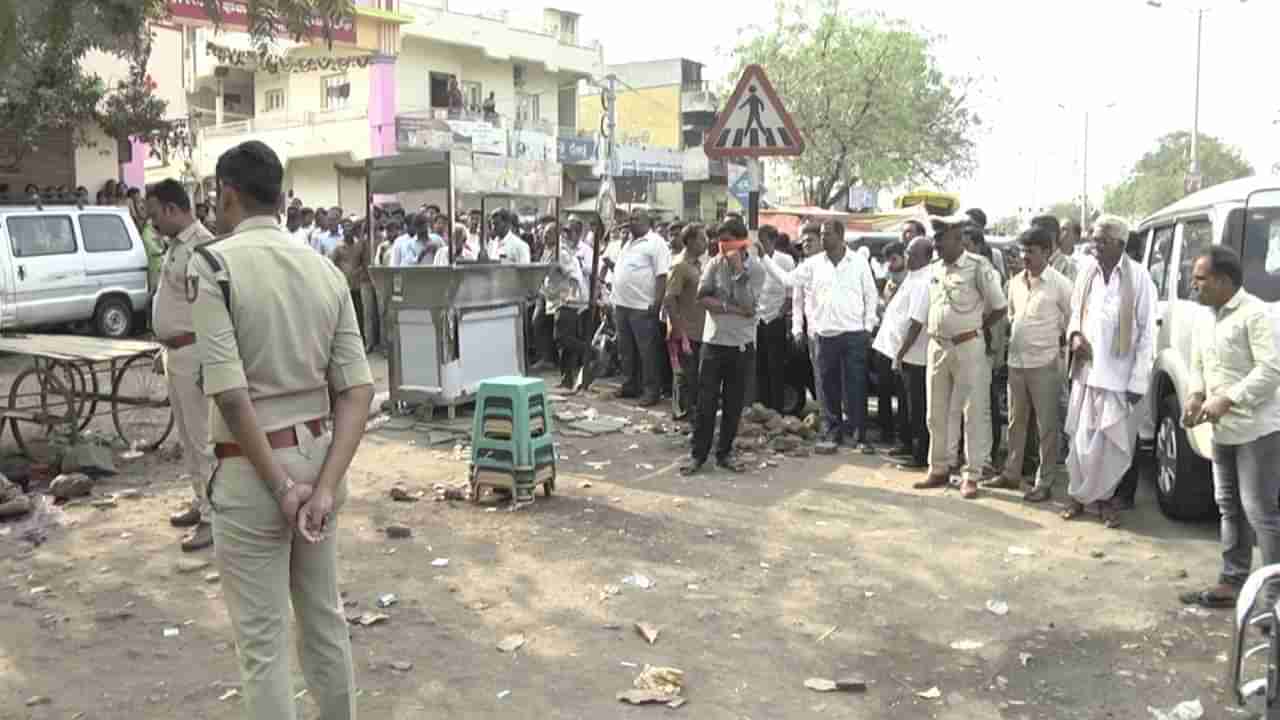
x: 512, y: 439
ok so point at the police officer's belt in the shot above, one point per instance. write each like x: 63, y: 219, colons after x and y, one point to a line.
x: 960, y: 339
x: 177, y: 342
x: 277, y: 439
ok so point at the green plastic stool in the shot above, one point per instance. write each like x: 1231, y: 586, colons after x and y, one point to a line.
x: 512, y: 442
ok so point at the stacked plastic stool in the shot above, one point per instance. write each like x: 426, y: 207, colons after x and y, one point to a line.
x: 512, y: 443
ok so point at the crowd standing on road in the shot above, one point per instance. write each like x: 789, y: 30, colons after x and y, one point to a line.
x: 937, y: 330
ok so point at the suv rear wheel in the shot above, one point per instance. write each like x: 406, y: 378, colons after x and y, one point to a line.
x: 113, y: 318
x: 1184, y: 483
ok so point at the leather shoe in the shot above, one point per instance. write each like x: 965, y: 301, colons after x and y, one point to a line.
x: 1038, y: 495
x: 933, y: 481
x: 1000, y: 482
x: 199, y: 538
x: 187, y: 518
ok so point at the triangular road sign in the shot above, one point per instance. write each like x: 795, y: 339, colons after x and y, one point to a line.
x: 754, y: 123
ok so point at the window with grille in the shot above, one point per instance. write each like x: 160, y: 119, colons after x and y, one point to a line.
x: 275, y: 100
x: 335, y: 92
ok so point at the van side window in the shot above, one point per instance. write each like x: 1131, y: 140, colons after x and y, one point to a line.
x: 1262, y: 253
x: 1197, y: 238
x: 1161, y: 251
x: 44, y: 235
x: 104, y: 233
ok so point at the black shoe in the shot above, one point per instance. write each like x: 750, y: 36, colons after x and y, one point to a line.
x: 901, y: 452
x: 693, y: 467
x: 912, y: 466
x: 729, y: 464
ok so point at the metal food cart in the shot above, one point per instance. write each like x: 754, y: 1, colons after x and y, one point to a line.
x: 451, y: 326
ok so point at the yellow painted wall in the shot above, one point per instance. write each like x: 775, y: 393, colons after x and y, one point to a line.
x: 647, y: 116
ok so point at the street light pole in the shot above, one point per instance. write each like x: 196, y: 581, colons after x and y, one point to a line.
x: 1193, y: 174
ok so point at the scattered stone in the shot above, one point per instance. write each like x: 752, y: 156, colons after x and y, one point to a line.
x: 17, y: 507
x: 1186, y: 710
x: 171, y: 632
x: 401, y: 665
x: 399, y: 494
x: 511, y: 643
x: 387, y: 600
x: 966, y: 645
x: 784, y: 443
x: 998, y: 607
x: 229, y: 694
x: 72, y: 485
x: 825, y: 448
x: 186, y: 566
x: 600, y: 425
x: 1097, y: 554
x: 440, y: 563
x: 129, y: 494
x: 368, y: 619
x: 855, y: 685
x: 38, y: 700
x: 641, y: 581
x: 820, y: 684
x: 89, y: 459
x: 648, y: 632
x: 398, y: 532
x: 584, y: 485
x: 104, y: 503
x: 932, y: 693
x: 212, y: 577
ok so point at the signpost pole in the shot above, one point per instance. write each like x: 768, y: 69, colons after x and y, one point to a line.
x: 753, y: 196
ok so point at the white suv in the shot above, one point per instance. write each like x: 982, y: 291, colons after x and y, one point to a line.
x: 1244, y: 215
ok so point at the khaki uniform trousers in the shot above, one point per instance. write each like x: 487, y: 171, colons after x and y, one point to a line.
x: 1034, y: 390
x: 955, y: 379
x: 264, y: 565
x: 956, y: 429
x: 191, y: 420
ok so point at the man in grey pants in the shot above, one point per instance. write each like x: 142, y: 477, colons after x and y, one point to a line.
x: 1235, y: 371
x: 639, y: 285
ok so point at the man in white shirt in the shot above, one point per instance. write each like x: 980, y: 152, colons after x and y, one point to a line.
x: 1039, y: 311
x: 639, y: 286
x: 508, y: 248
x: 771, y: 333
x: 1235, y: 371
x: 326, y: 239
x: 1112, y: 338
x: 409, y: 248
x: 905, y: 344
x: 804, y: 309
x: 846, y: 300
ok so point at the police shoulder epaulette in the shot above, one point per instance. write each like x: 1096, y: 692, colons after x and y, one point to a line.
x: 219, y: 272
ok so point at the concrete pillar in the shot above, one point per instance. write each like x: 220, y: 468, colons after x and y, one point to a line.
x: 382, y: 105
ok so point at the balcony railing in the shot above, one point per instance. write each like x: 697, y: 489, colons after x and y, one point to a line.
x: 280, y: 121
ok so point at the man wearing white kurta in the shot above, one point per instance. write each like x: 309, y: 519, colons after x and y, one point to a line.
x: 1112, y: 340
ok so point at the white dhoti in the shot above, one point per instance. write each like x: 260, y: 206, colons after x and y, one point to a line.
x: 1104, y: 434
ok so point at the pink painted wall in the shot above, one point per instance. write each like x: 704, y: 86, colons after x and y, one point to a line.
x: 134, y: 172
x: 382, y: 105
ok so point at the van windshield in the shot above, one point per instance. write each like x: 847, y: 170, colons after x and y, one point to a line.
x: 1262, y: 247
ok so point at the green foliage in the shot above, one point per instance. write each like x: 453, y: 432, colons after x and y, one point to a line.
x: 1158, y: 178
x: 1005, y: 226
x: 1067, y: 211
x: 871, y: 100
x: 45, y: 89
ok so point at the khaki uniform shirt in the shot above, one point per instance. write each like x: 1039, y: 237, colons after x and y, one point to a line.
x: 1236, y: 357
x: 291, y: 332
x: 170, y: 311
x: 960, y: 294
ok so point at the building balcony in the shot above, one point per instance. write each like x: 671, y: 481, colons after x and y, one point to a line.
x: 498, y: 37
x: 297, y: 135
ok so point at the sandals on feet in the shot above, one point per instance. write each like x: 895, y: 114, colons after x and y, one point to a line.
x: 1214, y: 598
x: 1073, y: 511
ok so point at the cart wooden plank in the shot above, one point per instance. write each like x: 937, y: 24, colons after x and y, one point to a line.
x: 75, y: 348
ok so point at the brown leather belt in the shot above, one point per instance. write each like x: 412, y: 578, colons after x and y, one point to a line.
x: 277, y: 439
x: 962, y: 338
x: 177, y: 342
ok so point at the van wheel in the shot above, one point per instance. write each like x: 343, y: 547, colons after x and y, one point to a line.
x: 114, y: 318
x: 1184, y: 482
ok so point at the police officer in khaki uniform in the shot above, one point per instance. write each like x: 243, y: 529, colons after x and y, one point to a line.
x: 169, y: 208
x: 964, y: 298
x: 277, y: 333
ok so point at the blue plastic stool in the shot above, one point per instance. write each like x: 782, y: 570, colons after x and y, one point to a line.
x: 512, y: 442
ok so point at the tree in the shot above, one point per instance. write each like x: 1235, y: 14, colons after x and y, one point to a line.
x: 1068, y: 210
x: 1158, y: 179
x: 1005, y: 226
x: 44, y: 88
x: 869, y: 97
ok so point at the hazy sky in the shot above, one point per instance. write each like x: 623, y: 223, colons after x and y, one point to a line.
x: 1031, y: 56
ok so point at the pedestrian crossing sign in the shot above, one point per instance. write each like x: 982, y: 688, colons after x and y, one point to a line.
x: 754, y: 123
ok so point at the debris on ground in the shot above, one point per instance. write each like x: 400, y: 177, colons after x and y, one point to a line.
x: 820, y: 684
x: 398, y: 532
x: 932, y: 693
x: 648, y: 632
x: 823, y: 685
x: 386, y: 600
x: 401, y: 665
x: 38, y: 700
x: 598, y: 466
x: 368, y: 619
x: 584, y: 485
x: 966, y: 645
x: 186, y: 566
x: 13, y: 503
x: 503, y: 695
x: 170, y: 632
x: 1018, y: 551
x: 1024, y: 658
x: 998, y: 607
x: 641, y: 581
x: 610, y: 591
x: 88, y: 458
x: 400, y: 494
x: 232, y: 693
x: 1097, y: 554
x: 511, y: 643
x: 656, y: 685
x: 71, y: 485
x: 1185, y: 710
x: 440, y: 563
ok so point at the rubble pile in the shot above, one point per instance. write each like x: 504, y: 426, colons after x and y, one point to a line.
x: 765, y: 430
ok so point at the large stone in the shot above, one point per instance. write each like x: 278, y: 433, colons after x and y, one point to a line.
x: 16, y: 507
x: 8, y: 490
x: 784, y: 443
x: 750, y: 431
x: 775, y: 424
x: 792, y: 425
x: 71, y: 485
x: 89, y: 459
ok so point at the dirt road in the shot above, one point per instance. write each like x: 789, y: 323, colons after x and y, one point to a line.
x: 820, y: 567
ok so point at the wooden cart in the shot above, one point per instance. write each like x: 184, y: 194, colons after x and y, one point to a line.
x: 73, y: 379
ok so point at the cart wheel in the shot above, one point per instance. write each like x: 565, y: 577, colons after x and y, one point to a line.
x: 140, y: 404
x: 48, y: 398
x: 84, y: 398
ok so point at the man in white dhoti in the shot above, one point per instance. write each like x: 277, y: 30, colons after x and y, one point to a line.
x: 1112, y: 340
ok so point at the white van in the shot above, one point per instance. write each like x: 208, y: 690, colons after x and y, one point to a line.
x: 71, y: 265
x: 1244, y: 215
